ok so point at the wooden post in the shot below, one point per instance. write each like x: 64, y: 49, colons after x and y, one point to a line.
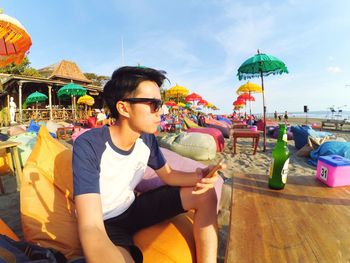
x: 50, y: 102
x: 20, y: 101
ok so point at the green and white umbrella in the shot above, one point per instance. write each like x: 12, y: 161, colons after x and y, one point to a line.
x: 261, y: 65
x: 72, y: 91
x: 35, y: 97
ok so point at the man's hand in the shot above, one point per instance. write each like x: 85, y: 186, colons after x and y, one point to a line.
x: 204, y: 183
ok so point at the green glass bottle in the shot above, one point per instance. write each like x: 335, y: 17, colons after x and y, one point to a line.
x: 280, y: 160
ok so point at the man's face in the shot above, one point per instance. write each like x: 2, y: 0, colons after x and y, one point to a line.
x: 143, y: 117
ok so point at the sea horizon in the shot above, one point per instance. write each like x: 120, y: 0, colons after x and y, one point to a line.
x: 311, y: 114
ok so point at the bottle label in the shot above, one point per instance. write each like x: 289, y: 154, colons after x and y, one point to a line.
x: 271, y: 167
x: 284, y: 172
x: 285, y: 138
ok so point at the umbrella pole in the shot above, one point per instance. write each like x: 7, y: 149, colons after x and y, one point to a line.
x: 264, y: 109
x: 250, y: 107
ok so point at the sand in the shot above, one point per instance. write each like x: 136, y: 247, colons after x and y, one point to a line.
x: 243, y: 161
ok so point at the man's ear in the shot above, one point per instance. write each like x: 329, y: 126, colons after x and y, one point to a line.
x: 122, y: 108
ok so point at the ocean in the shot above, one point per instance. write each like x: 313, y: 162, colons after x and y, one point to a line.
x: 315, y: 115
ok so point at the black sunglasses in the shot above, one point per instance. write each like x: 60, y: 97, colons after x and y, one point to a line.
x: 156, y: 103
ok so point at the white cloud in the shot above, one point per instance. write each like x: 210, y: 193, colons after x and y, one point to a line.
x: 334, y: 69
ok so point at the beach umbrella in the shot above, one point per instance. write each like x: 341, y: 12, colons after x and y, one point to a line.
x: 181, y: 104
x: 36, y: 97
x: 177, y: 91
x: 247, y: 97
x: 249, y: 88
x: 261, y: 65
x: 202, y: 102
x: 72, y: 91
x: 193, y: 97
x: 170, y: 103
x: 238, y: 103
x: 14, y: 40
x: 87, y: 100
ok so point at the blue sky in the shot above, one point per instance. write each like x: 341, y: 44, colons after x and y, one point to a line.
x: 202, y: 43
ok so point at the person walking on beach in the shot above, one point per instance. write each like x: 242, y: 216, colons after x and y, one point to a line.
x: 275, y: 115
x: 286, y: 116
x: 108, y: 162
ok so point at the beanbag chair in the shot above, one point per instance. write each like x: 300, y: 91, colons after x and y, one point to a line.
x: 220, y: 118
x: 190, y: 124
x: 15, y: 130
x: 33, y: 126
x: 151, y: 180
x: 289, y: 133
x: 76, y: 133
x: 27, y: 140
x: 48, y: 217
x: 269, y: 123
x: 52, y: 126
x: 224, y: 130
x: 330, y: 148
x: 301, y: 134
x: 197, y: 146
x: 5, y: 230
x: 217, y: 135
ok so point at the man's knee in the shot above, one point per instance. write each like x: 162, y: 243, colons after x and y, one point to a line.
x: 207, y: 199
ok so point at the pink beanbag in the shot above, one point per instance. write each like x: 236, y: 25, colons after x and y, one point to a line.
x: 217, y: 135
x: 151, y: 180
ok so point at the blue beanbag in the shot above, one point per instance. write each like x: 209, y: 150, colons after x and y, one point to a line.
x: 35, y: 127
x: 220, y: 118
x: 329, y: 148
x: 301, y: 134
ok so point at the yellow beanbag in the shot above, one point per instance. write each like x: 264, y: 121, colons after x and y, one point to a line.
x: 48, y: 212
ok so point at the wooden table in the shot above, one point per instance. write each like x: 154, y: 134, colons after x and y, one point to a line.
x: 246, y: 133
x: 12, y: 148
x: 239, y: 126
x: 305, y: 222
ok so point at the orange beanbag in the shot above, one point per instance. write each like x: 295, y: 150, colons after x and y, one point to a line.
x: 5, y: 230
x: 48, y: 211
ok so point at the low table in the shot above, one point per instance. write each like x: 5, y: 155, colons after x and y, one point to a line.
x: 305, y: 222
x: 239, y: 126
x: 246, y: 133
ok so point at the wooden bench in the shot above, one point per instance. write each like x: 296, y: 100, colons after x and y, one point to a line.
x: 337, y: 124
x: 246, y: 133
x: 305, y: 222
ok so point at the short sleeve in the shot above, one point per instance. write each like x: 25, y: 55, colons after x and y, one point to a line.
x: 156, y: 159
x: 86, y: 170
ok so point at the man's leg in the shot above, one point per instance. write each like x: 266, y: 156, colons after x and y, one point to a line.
x: 205, y: 222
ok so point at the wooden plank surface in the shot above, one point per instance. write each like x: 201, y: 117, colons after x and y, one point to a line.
x: 305, y: 222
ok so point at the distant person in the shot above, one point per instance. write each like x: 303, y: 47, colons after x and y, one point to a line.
x: 101, y: 116
x: 286, y: 116
x: 275, y: 115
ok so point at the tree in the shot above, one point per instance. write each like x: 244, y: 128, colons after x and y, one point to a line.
x: 23, y: 69
x: 96, y: 79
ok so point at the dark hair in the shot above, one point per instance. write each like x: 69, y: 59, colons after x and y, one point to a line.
x: 124, y: 82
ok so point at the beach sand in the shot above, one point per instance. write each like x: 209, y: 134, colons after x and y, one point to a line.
x: 242, y: 162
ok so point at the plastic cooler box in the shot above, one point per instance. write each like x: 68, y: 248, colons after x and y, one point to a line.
x: 333, y: 170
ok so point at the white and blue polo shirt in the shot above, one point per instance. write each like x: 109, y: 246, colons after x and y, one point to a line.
x: 100, y: 167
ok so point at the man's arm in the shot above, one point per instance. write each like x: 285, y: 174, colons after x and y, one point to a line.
x: 96, y: 244
x: 188, y: 179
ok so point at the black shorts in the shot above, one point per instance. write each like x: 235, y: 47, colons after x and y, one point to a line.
x: 148, y: 209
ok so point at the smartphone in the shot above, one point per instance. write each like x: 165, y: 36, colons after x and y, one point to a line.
x: 217, y: 167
